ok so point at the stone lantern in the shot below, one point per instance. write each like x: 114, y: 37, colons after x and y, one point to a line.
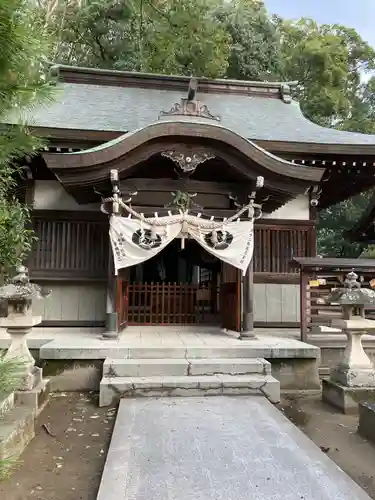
x: 18, y: 295
x: 353, y: 379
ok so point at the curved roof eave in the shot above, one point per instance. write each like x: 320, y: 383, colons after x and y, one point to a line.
x: 192, y: 127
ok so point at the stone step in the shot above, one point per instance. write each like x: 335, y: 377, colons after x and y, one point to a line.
x: 112, y: 389
x: 6, y: 403
x: 194, y: 352
x: 17, y: 428
x: 180, y: 367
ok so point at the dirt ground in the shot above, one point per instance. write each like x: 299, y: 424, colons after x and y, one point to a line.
x: 69, y: 466
x: 336, y: 435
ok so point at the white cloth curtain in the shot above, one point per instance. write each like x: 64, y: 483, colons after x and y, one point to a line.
x: 134, y: 241
x: 235, y: 242
x: 131, y: 241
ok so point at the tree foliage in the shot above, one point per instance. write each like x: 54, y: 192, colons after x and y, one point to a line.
x: 160, y: 36
x: 334, y: 221
x: 22, y: 85
x: 233, y: 38
x: 255, y: 49
x: 327, y: 61
x: 362, y: 114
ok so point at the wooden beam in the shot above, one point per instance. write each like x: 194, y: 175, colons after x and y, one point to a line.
x: 234, y: 145
x: 275, y: 278
x: 285, y: 224
x: 70, y: 215
x: 192, y: 186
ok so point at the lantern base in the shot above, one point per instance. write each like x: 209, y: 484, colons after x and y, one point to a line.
x: 346, y: 399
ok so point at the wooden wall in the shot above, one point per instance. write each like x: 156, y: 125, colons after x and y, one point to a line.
x: 72, y: 304
x: 276, y: 304
x: 71, y: 255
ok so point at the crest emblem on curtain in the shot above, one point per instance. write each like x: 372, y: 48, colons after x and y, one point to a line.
x: 144, y: 239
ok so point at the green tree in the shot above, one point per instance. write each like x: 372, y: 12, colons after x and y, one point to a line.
x: 362, y: 114
x: 160, y: 36
x: 335, y: 221
x: 327, y: 61
x: 22, y: 85
x: 256, y: 46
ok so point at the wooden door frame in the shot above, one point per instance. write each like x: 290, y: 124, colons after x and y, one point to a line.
x: 238, y: 287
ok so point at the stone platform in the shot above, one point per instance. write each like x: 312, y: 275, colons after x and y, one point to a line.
x: 18, y: 412
x: 344, y: 398
x: 73, y: 358
x: 236, y: 448
x: 366, y: 425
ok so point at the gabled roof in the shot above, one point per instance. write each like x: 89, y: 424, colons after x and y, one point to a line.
x: 103, y: 100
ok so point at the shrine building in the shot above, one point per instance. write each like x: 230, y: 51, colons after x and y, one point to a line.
x: 147, y: 148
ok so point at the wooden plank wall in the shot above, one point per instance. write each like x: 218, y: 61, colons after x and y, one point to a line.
x: 276, y: 304
x: 72, y: 304
x: 75, y: 245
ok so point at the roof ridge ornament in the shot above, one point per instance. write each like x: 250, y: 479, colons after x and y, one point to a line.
x: 193, y: 89
x: 190, y: 106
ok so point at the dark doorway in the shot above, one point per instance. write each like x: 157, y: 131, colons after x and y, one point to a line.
x: 182, y: 285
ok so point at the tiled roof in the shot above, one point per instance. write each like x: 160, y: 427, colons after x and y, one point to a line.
x: 111, y: 107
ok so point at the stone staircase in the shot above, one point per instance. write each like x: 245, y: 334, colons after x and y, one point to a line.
x: 227, y: 373
x: 18, y: 411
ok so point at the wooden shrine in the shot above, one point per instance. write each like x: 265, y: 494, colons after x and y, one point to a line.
x: 180, y: 143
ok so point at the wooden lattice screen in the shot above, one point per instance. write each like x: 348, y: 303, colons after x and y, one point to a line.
x: 275, y: 246
x: 69, y: 248
x: 166, y: 303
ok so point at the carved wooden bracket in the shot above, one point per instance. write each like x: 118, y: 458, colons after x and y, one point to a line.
x: 183, y: 201
x: 187, y: 162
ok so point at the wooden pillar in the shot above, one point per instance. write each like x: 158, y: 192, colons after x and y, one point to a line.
x: 111, y: 323
x: 111, y: 320
x: 304, y: 302
x: 248, y: 303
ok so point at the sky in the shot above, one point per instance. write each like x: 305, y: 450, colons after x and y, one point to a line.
x: 358, y: 14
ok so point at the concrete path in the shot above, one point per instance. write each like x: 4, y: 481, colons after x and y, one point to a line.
x: 216, y: 448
